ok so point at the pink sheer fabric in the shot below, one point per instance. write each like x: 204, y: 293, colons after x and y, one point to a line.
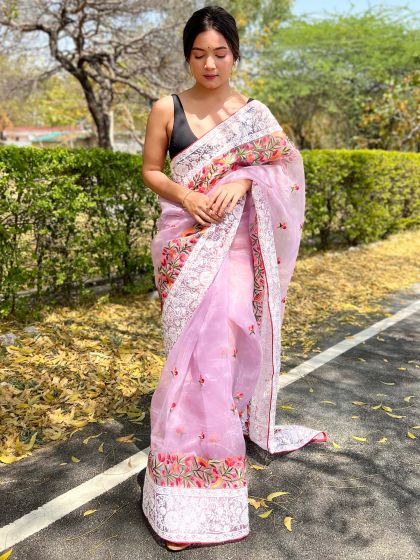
x: 223, y: 290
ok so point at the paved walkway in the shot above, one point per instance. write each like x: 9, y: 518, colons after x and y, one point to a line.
x: 350, y: 502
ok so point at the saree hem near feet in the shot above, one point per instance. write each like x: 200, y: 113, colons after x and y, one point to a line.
x: 223, y: 292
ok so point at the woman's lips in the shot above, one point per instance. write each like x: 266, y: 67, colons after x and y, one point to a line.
x: 210, y: 77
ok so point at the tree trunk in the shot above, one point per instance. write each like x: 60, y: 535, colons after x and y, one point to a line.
x: 99, y: 109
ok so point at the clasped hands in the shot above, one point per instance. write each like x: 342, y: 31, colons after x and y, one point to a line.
x: 210, y: 209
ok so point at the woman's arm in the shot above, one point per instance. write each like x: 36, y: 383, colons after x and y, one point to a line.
x: 155, y: 148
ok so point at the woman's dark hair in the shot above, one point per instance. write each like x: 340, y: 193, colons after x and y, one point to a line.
x: 211, y: 17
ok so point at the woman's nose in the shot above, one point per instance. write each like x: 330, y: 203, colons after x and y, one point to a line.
x: 209, y: 63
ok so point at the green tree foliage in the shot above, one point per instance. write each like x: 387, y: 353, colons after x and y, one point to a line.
x: 392, y: 121
x: 317, y: 75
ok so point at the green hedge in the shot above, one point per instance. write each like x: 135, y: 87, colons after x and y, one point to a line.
x: 357, y: 196
x: 70, y: 215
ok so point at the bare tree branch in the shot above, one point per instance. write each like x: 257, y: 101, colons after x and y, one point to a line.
x: 106, y: 45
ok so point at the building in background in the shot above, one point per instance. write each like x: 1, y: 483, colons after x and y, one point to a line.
x: 42, y: 137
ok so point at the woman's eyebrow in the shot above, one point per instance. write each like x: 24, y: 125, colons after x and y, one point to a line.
x: 203, y: 50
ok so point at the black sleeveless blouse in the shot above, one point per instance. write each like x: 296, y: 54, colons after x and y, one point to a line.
x: 182, y: 136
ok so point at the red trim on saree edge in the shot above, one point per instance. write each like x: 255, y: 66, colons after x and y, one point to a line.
x: 315, y: 439
x: 209, y: 542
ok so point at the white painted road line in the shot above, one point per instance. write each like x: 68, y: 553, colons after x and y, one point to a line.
x: 330, y: 353
x: 57, y: 508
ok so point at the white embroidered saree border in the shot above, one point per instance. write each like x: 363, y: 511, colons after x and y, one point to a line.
x: 199, y: 515
x: 197, y: 274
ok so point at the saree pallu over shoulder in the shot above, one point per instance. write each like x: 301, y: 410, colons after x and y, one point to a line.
x: 223, y: 290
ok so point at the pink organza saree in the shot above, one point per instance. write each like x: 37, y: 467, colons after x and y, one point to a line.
x: 223, y: 293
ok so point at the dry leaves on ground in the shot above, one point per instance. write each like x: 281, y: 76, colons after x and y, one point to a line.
x: 91, y: 363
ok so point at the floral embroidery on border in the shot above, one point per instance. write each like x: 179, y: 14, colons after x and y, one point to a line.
x: 259, y: 272
x: 260, y: 151
x: 193, y: 471
x: 174, y: 256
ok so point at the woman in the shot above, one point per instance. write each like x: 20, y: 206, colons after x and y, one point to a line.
x: 227, y: 241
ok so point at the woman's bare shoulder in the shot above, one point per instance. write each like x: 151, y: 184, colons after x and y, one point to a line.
x: 164, y: 106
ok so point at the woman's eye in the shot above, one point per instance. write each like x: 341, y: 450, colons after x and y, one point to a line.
x: 200, y: 57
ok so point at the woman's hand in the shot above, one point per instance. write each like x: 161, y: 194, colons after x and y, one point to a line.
x: 227, y: 194
x: 197, y: 205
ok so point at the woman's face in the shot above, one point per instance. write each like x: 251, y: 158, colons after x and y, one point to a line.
x: 211, y: 59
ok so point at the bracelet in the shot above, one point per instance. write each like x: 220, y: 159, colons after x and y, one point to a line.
x: 183, y: 200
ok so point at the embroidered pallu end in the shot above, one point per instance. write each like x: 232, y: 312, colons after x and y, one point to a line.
x: 223, y: 291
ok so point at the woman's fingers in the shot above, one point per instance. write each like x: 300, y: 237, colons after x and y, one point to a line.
x: 219, y: 202
x: 205, y: 216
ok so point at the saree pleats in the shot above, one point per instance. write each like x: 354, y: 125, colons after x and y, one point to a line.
x: 223, y: 290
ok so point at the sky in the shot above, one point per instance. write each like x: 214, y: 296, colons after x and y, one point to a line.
x: 317, y: 7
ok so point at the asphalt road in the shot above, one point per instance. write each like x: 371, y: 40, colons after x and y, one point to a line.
x: 351, y: 502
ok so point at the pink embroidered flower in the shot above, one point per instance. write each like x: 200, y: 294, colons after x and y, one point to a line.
x: 251, y: 329
x: 239, y: 395
x: 174, y: 372
x: 283, y: 226
x: 295, y: 187
x: 278, y: 260
x: 201, y: 436
x: 235, y: 352
x: 283, y: 299
x: 201, y: 380
x: 173, y: 405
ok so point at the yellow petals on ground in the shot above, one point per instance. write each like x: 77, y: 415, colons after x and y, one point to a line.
x: 407, y: 399
x: 358, y: 438
x: 336, y: 445
x: 411, y: 435
x: 257, y: 467
x: 265, y: 514
x: 386, y: 408
x: 394, y: 415
x: 255, y: 503
x: 275, y: 494
x: 359, y: 403
x: 89, y: 512
x: 383, y: 440
x: 101, y: 448
x: 87, y: 440
x: 6, y: 554
x: 75, y: 459
x: 287, y: 521
x: 126, y: 439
